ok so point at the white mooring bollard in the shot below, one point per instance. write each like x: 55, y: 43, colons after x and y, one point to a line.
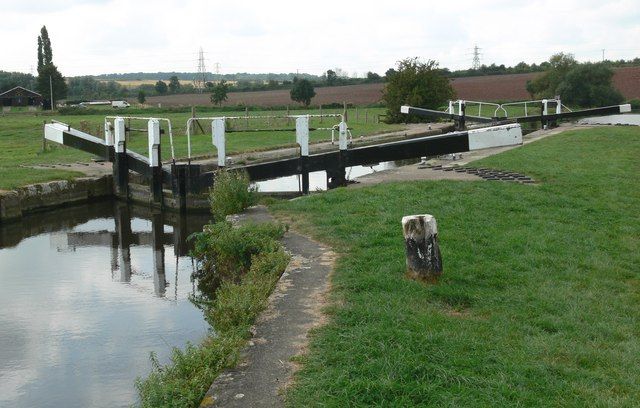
x: 119, y: 134
x: 154, y: 142
x: 155, y: 163
x: 342, y: 137
x: 218, y: 139
x: 302, y: 134
x: 423, y: 258
x: 302, y: 138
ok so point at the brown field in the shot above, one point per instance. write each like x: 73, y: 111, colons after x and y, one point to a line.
x: 356, y: 94
x: 513, y: 87
x: 132, y: 83
x: 480, y: 88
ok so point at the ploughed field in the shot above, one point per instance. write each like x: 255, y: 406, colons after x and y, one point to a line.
x: 510, y: 87
x: 353, y: 94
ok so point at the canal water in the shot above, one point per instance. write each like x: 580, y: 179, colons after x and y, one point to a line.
x: 86, y: 294
x: 318, y: 179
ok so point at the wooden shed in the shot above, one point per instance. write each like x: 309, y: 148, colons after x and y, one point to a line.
x: 20, y: 96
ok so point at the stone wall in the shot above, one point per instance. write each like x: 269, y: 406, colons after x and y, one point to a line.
x: 35, y: 197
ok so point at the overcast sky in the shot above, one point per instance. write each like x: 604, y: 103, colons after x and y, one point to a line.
x: 105, y: 36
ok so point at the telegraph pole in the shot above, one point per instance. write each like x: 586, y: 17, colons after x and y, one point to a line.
x: 51, y: 91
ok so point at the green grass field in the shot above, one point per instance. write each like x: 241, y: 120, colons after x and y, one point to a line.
x: 539, y: 303
x: 21, y: 139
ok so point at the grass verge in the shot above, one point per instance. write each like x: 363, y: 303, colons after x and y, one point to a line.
x: 238, y: 268
x: 538, y: 304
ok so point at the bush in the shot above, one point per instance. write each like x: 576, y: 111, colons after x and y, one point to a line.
x: 231, y: 193
x: 302, y: 91
x: 635, y: 104
x: 589, y: 85
x: 417, y: 84
x: 225, y: 253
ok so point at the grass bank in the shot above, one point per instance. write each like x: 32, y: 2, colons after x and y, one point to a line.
x: 539, y: 302
x: 21, y: 138
x: 238, y: 268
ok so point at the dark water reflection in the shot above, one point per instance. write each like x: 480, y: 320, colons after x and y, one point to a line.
x: 86, y: 293
x: 318, y: 179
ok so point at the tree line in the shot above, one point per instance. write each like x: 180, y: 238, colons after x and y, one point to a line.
x: 410, y: 82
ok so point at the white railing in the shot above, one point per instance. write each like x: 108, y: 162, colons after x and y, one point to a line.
x: 107, y: 128
x: 221, y: 142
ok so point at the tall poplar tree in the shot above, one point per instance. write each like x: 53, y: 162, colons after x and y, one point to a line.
x: 48, y: 75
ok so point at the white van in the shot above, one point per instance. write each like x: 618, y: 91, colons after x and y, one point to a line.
x: 120, y: 104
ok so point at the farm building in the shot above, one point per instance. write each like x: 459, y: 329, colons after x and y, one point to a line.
x: 20, y: 96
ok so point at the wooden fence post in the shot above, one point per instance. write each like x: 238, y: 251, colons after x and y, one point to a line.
x: 44, y: 139
x: 424, y: 261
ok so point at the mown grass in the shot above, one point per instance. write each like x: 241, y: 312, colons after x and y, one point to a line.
x: 21, y: 139
x: 539, y: 302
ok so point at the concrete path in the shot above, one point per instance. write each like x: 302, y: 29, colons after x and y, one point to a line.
x: 281, y: 331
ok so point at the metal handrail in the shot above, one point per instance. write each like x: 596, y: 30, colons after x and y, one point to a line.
x: 192, y: 119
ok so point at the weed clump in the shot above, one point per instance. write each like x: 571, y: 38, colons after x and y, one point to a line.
x: 226, y: 253
x: 231, y: 193
x: 238, y: 268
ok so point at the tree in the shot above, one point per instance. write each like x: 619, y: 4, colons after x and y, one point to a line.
x: 389, y: 73
x: 373, y: 77
x: 332, y: 77
x: 142, y: 97
x: 546, y: 85
x: 50, y: 78
x: 10, y: 80
x: 418, y: 84
x: 47, y: 52
x: 174, y: 84
x: 161, y: 87
x: 589, y: 85
x: 48, y: 75
x: 580, y: 84
x: 302, y: 91
x: 219, y: 93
